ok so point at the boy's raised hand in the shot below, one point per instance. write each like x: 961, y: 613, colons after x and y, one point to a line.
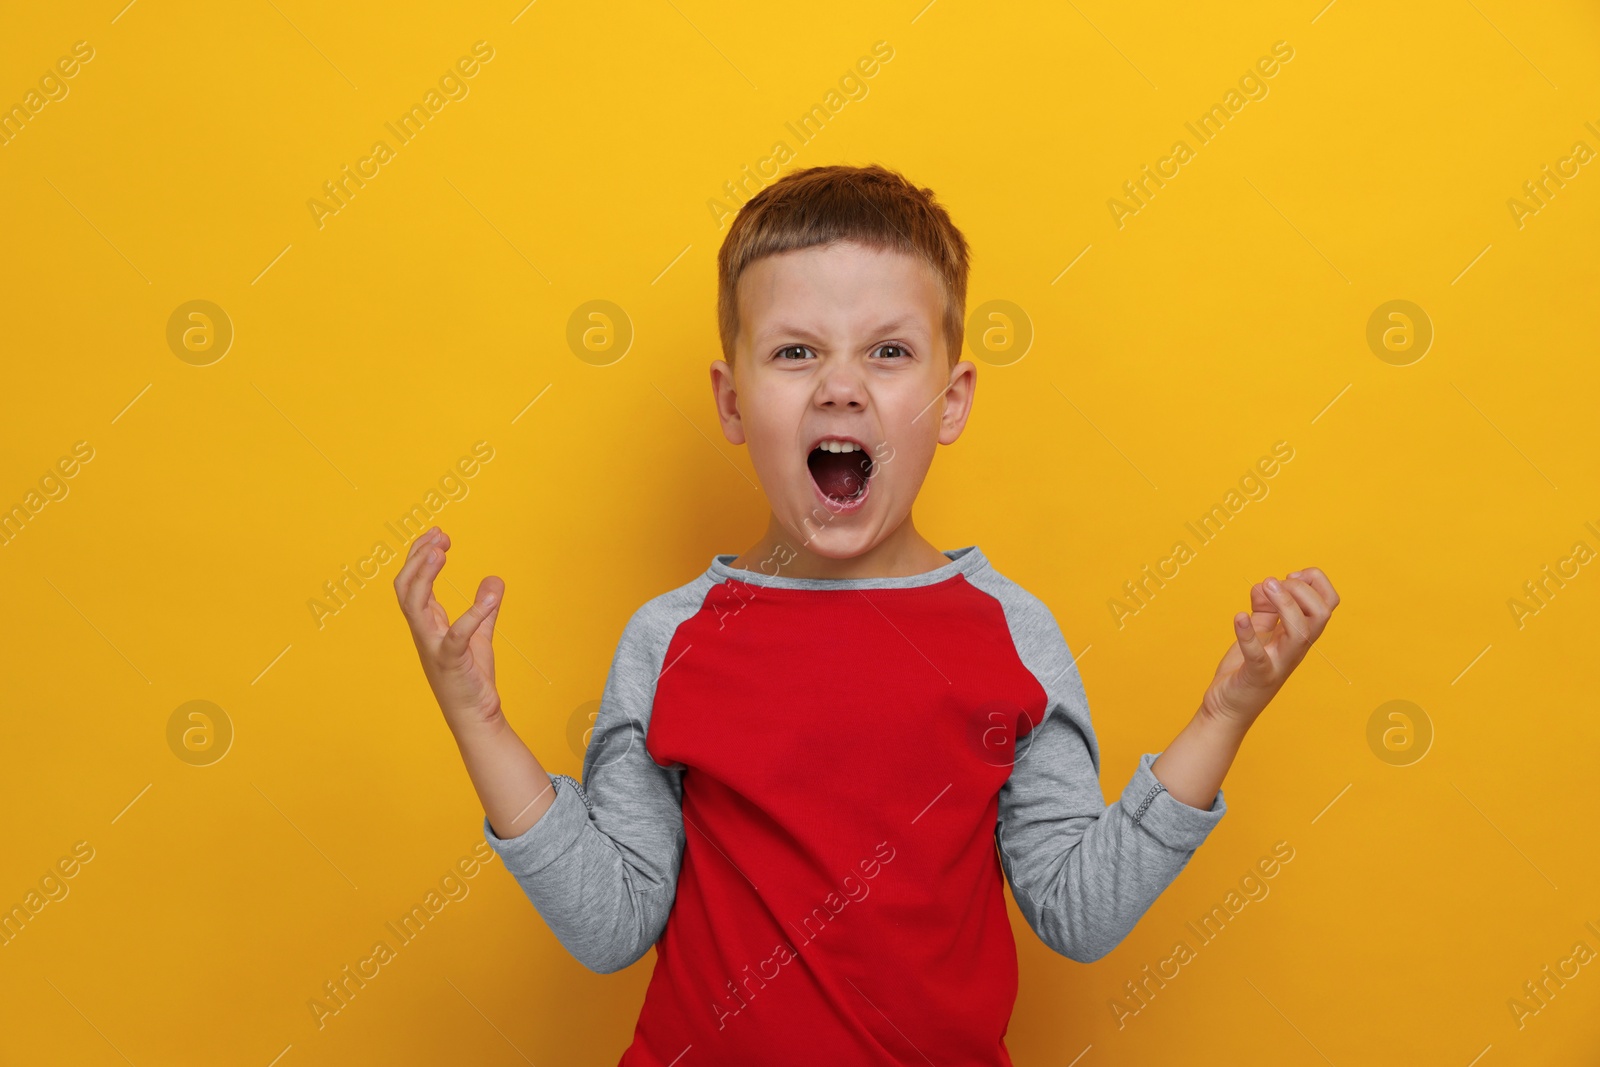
x: 1285, y: 618
x: 457, y: 659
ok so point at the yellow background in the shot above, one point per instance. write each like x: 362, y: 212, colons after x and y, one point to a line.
x: 371, y: 353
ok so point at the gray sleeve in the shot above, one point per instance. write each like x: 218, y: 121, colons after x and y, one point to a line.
x: 601, y: 864
x: 1082, y: 872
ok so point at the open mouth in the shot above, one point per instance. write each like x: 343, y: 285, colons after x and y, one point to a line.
x: 841, y: 469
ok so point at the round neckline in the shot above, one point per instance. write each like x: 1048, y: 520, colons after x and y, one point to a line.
x: 963, y: 560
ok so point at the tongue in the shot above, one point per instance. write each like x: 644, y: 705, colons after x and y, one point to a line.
x: 838, y: 474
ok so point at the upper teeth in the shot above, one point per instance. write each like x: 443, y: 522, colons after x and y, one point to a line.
x: 839, y: 446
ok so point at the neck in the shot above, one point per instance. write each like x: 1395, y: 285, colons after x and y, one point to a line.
x: 904, y: 552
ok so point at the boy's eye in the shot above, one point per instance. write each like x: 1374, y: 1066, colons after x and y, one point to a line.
x: 893, y: 352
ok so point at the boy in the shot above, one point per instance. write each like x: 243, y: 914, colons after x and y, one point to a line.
x: 805, y: 758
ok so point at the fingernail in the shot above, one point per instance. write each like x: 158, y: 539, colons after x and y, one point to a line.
x: 488, y: 600
x: 1294, y: 574
x: 1272, y: 584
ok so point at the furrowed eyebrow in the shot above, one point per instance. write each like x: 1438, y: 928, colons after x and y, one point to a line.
x: 786, y: 330
x: 897, y: 324
x: 800, y: 332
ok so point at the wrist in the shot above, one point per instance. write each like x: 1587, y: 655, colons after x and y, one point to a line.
x: 1215, y: 718
x: 478, y: 725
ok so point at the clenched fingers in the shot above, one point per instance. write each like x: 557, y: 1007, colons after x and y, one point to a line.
x: 1314, y: 577
x: 1294, y: 619
x: 455, y: 641
x: 414, y: 584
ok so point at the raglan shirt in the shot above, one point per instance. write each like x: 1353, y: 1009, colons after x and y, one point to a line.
x: 795, y: 789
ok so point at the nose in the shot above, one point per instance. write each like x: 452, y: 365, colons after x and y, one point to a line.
x: 840, y: 385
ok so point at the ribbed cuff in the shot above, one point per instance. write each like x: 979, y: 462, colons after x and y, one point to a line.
x: 1170, y: 821
x: 548, y: 839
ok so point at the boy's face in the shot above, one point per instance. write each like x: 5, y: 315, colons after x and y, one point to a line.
x: 841, y: 341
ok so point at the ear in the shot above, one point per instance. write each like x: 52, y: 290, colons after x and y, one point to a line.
x: 958, y: 401
x: 725, y: 397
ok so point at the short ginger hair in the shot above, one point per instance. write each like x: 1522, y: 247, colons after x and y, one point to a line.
x: 872, y: 205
